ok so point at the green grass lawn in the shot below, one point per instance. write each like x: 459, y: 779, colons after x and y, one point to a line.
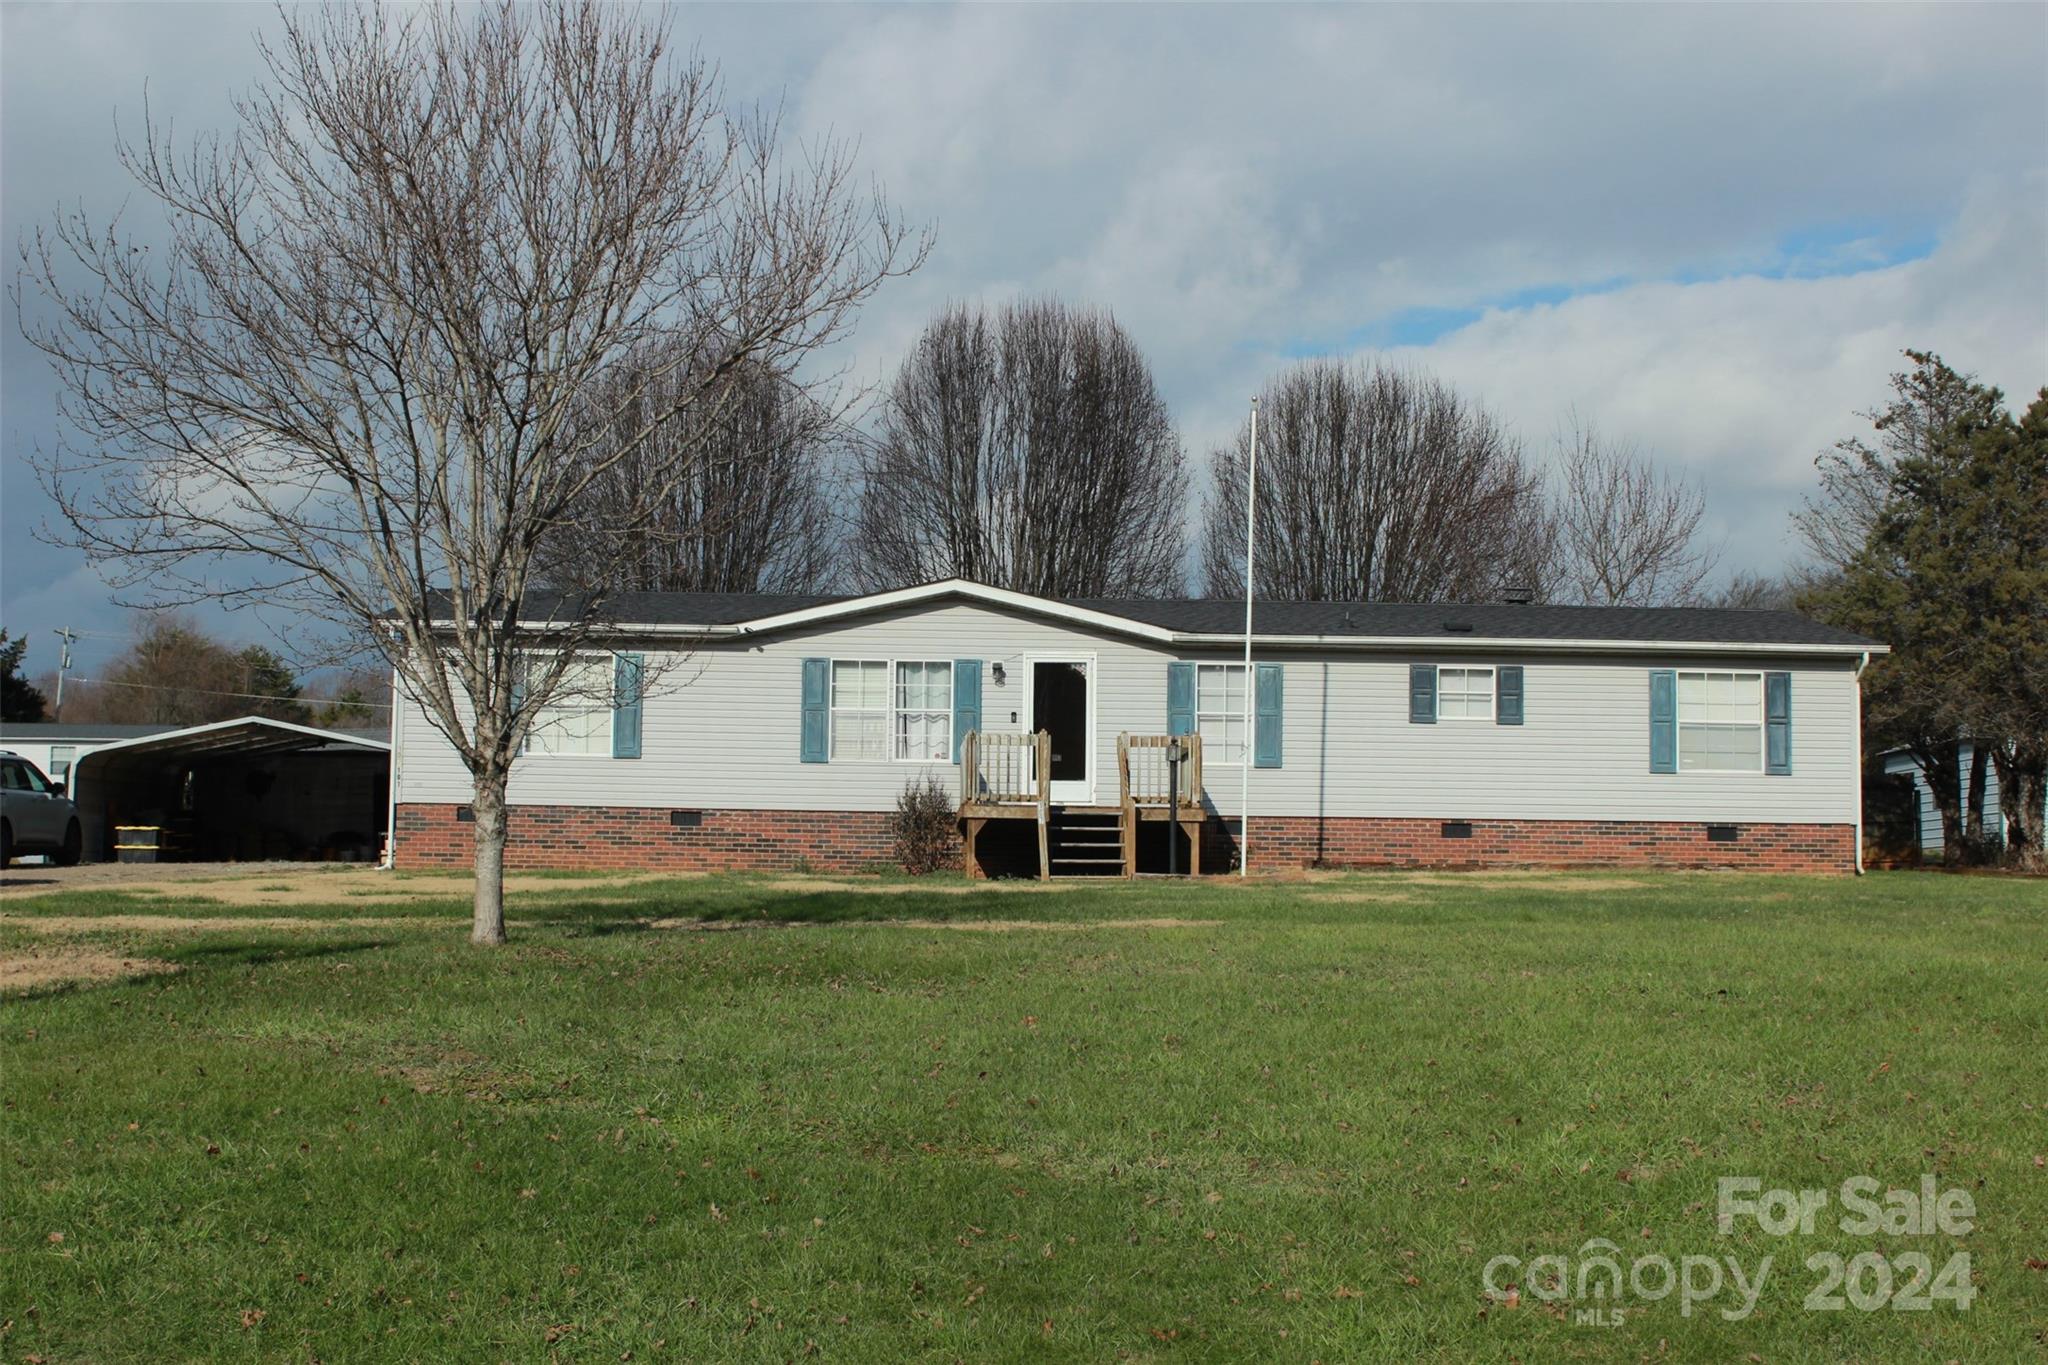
x: 743, y: 1119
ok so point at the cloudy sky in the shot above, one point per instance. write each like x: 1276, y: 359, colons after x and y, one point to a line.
x: 1708, y: 229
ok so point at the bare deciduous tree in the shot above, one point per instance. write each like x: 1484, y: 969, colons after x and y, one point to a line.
x: 747, y: 481
x: 1627, y: 535
x: 1780, y: 592
x: 1030, y: 450
x: 1375, y: 484
x: 346, y: 383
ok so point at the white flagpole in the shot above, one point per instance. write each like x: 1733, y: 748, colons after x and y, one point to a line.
x: 1251, y: 522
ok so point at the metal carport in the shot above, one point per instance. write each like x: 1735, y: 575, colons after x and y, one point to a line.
x: 241, y: 790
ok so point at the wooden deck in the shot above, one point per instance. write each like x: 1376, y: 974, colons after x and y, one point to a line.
x: 1002, y: 778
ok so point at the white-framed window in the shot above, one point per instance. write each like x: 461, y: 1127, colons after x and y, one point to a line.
x: 578, y: 717
x: 1219, y: 712
x: 860, y: 708
x: 62, y: 756
x: 1721, y: 722
x: 1464, y: 694
x: 924, y: 709
x: 892, y: 709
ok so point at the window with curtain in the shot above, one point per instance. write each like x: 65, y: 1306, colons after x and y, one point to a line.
x: 924, y: 710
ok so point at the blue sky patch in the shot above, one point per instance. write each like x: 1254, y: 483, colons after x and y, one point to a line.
x: 1808, y: 254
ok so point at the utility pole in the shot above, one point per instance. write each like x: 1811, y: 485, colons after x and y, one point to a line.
x: 63, y: 662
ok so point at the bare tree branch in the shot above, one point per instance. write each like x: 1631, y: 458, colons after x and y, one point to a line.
x: 346, y: 384
x: 751, y: 512
x: 1375, y: 484
x: 1626, y: 534
x: 1031, y: 450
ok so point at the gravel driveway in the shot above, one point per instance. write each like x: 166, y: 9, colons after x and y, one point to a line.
x: 25, y: 878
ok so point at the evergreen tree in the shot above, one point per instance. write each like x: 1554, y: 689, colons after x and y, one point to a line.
x: 1951, y: 573
x: 20, y: 700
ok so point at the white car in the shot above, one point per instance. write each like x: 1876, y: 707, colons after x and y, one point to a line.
x: 35, y: 815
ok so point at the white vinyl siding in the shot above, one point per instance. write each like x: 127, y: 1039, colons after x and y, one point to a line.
x: 1219, y: 712
x: 1721, y: 722
x: 720, y: 731
x: 1464, y: 694
x: 860, y: 708
x: 578, y: 717
x: 924, y: 710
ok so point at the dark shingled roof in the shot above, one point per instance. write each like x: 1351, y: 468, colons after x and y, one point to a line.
x: 665, y: 608
x: 710, y: 608
x: 1337, y: 620
x: 1490, y: 620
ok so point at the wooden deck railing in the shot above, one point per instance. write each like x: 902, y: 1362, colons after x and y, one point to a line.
x: 1005, y: 776
x: 998, y: 769
x: 1152, y: 788
x: 1147, y: 779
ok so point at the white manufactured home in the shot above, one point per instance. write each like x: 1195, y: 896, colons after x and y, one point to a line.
x: 780, y: 731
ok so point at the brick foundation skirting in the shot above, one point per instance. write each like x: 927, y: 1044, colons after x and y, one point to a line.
x: 1304, y: 841
x: 625, y: 837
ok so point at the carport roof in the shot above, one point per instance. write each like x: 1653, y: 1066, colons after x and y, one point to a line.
x: 247, y: 735
x: 60, y: 731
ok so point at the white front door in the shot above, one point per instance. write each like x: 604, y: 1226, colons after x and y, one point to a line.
x: 1062, y: 703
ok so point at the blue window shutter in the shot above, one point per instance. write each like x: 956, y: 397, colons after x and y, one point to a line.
x: 1778, y: 724
x: 966, y: 700
x: 817, y: 719
x: 626, y: 673
x: 1422, y: 694
x: 1508, y: 700
x: 1269, y: 681
x: 1180, y: 699
x: 1663, y: 720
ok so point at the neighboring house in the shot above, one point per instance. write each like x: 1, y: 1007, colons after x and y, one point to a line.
x: 775, y: 731
x: 1928, y: 814
x: 53, y: 745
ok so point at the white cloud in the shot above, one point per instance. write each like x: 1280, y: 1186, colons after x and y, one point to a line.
x: 1237, y: 183
x: 1743, y: 381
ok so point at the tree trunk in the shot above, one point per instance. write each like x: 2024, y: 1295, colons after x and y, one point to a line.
x: 2032, y: 782
x: 2022, y: 794
x: 488, y: 923
x: 1973, y: 808
x: 1938, y: 767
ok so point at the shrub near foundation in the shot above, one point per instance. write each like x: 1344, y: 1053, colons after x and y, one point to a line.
x: 926, y: 827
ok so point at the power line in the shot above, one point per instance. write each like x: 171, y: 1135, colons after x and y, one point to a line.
x: 255, y: 696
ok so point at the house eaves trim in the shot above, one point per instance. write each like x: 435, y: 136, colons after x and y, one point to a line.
x: 1505, y: 644
x: 963, y: 588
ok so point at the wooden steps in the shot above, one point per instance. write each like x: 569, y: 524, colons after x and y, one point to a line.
x: 1086, y: 842
x: 1159, y: 778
